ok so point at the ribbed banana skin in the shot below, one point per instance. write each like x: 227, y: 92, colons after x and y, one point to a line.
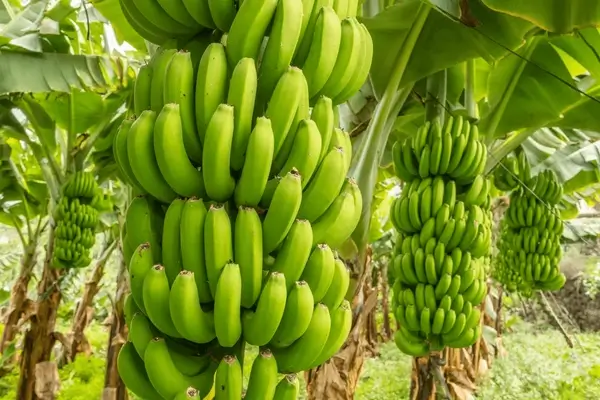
x: 324, y: 187
x: 133, y: 373
x: 282, y: 211
x: 141, y: 333
x: 362, y: 72
x: 171, y: 259
x: 301, y: 354
x: 341, y: 139
x: 353, y: 8
x: 324, y: 117
x: 191, y: 233
x: 171, y: 155
x: 144, y: 223
x: 288, y: 388
x: 189, y: 394
x: 218, y: 182
x: 179, y: 88
x: 296, y: 316
x: 141, y: 25
x: 120, y: 153
x: 257, y: 165
x: 339, y: 286
x: 248, y: 252
x: 349, y: 59
x: 228, y: 379
x: 341, y: 324
x: 341, y: 8
x: 212, y: 80
x: 223, y: 13
x: 228, y: 325
x: 142, y: 89
x: 259, y: 326
x: 281, y: 45
x: 305, y: 152
x: 156, y: 300
x: 140, y: 150
x: 263, y: 377
x: 323, y: 51
x: 218, y: 243
x: 176, y: 10
x: 308, y: 29
x: 160, y: 64
x: 319, y: 270
x: 140, y: 263
x: 242, y: 95
x: 200, y: 11
x: 152, y: 10
x: 189, y: 319
x: 283, y: 105
x: 248, y: 29
x: 294, y: 252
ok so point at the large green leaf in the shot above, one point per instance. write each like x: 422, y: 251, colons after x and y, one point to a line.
x: 23, y: 30
x: 111, y: 10
x: 443, y: 42
x: 582, y: 47
x: 48, y: 72
x: 561, y: 16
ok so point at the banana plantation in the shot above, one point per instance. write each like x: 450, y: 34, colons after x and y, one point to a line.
x: 299, y: 199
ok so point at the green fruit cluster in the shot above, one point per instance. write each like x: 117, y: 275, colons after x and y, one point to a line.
x: 444, y: 237
x: 241, y: 173
x: 76, y: 218
x: 529, y: 248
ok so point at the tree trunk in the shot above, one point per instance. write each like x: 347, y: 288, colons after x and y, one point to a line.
x: 20, y: 306
x: 76, y: 341
x: 114, y: 389
x: 38, y: 375
x: 385, y: 303
x: 337, y: 379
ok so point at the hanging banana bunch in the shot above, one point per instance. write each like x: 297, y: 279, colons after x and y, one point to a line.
x: 243, y: 196
x: 444, y: 237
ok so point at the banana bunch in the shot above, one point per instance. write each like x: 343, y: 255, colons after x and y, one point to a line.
x: 76, y: 218
x: 506, y: 174
x: 530, y: 250
x: 444, y: 237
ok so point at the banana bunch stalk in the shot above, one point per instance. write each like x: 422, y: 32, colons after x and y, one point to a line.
x: 444, y: 237
x: 530, y: 250
x: 76, y: 218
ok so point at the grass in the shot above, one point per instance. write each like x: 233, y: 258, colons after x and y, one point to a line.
x: 538, y: 366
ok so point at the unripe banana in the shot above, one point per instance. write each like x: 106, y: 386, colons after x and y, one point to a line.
x: 296, y: 316
x: 140, y: 23
x: 257, y: 165
x: 179, y: 88
x: 156, y: 15
x: 341, y: 139
x: 212, y: 80
x: 160, y: 63
x: 263, y: 377
x: 248, y: 253
x: 283, y: 39
x: 200, y: 11
x: 248, y: 29
x: 189, y: 394
x: 171, y: 260
x: 189, y: 319
x: 133, y: 373
x: 341, y: 8
x: 176, y: 10
x: 140, y: 150
x: 324, y: 187
x: 341, y: 323
x: 130, y: 308
x: 142, y: 89
x: 120, y: 154
x: 216, y: 156
x: 311, y: 12
x: 223, y: 13
x: 228, y: 325
x: 282, y: 211
x: 228, y: 379
x: 192, y: 246
x: 144, y: 222
x: 323, y: 50
x: 156, y: 300
x: 218, y: 245
x: 242, y: 94
x: 288, y: 388
x: 141, y: 262
x: 259, y: 326
x: 319, y: 270
x: 305, y: 152
x: 294, y: 252
x: 304, y: 351
x: 339, y: 286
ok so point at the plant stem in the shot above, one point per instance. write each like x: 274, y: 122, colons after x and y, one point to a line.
x: 435, y: 98
x: 470, y: 101
x: 497, y: 154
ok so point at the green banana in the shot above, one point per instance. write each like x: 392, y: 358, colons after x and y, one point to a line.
x: 200, y: 11
x: 133, y: 373
x: 140, y: 23
x: 228, y: 379
x: 294, y: 252
x: 288, y: 388
x: 160, y: 64
x: 218, y: 245
x: 248, y: 252
x: 228, y: 325
x: 341, y: 323
x: 339, y: 286
x: 296, y: 316
x: 311, y: 11
x: 142, y: 89
x: 156, y: 300
x: 176, y: 10
x: 305, y: 152
x: 144, y: 224
x: 120, y: 154
x: 157, y: 16
x: 263, y: 377
x: 223, y: 13
x: 189, y: 394
x: 172, y: 260
x: 257, y: 164
x: 130, y: 309
x: 319, y: 270
x: 141, y: 262
x: 282, y: 211
x: 324, y: 117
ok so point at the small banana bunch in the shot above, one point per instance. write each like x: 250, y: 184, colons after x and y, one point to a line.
x: 76, y: 217
x: 530, y: 250
x: 506, y: 174
x: 444, y: 237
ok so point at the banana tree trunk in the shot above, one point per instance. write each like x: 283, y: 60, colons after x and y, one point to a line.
x: 19, y: 304
x: 385, y: 302
x: 38, y: 379
x: 114, y: 389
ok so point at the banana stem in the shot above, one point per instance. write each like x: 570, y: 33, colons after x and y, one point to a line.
x: 366, y: 162
x: 470, y: 101
x: 435, y: 99
x: 498, y: 153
